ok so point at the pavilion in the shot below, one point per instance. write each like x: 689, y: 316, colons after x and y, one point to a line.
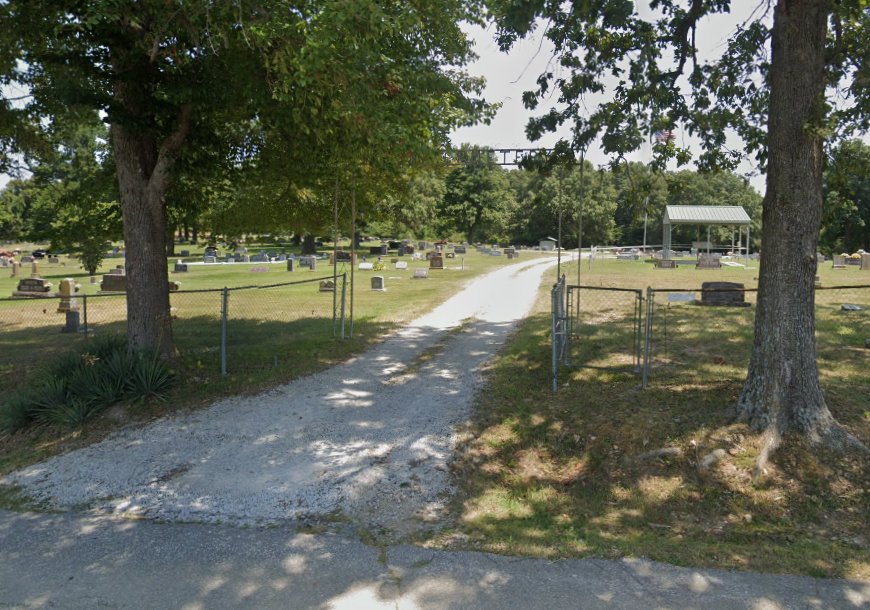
x: 706, y: 215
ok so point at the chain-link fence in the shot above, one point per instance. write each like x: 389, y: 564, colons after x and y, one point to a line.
x: 702, y: 334
x: 228, y: 329
x: 605, y: 327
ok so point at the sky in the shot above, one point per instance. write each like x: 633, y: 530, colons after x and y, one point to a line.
x: 508, y: 75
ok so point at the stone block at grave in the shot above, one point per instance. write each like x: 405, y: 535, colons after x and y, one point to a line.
x: 180, y: 267
x: 26, y: 259
x: 312, y: 263
x: 185, y: 253
x: 281, y: 258
x: 436, y: 262
x: 304, y: 261
x: 510, y: 256
x: 394, y: 245
x: 34, y: 269
x: 420, y: 274
x: 495, y: 252
x: 839, y: 261
x: 708, y: 261
x: 174, y: 286
x: 71, y: 321
x: 32, y: 286
x: 378, y: 250
x: 401, y: 265
x: 378, y: 283
x: 67, y: 289
x: 723, y: 294
x: 665, y: 264
x: 366, y: 266
x: 459, y: 249
x: 246, y: 258
x: 450, y: 255
x: 114, y: 282
x: 4, y: 262
x: 93, y: 279
x: 409, y: 249
x: 327, y: 286
x: 400, y: 251
x: 291, y: 263
x: 116, y: 271
x: 865, y: 262
x: 53, y: 260
x: 394, y: 260
x: 421, y: 245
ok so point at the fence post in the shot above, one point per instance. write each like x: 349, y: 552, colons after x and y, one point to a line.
x: 566, y: 322
x: 555, y: 355
x: 85, y: 314
x: 225, y: 298
x: 343, y: 295
x: 648, y: 336
x: 638, y: 329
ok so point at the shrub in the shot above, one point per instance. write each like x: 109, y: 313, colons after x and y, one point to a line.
x: 75, y: 386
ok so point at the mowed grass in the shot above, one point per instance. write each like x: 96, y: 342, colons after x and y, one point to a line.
x: 604, y: 469
x: 274, y: 334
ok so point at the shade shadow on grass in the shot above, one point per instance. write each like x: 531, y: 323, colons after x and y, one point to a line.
x: 558, y: 474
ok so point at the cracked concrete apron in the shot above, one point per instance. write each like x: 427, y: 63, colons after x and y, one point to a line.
x: 369, y: 439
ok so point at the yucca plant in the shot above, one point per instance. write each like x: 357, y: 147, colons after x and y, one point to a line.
x: 151, y: 378
x: 16, y: 413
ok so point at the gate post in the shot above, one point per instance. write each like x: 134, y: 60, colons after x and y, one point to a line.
x: 648, y: 335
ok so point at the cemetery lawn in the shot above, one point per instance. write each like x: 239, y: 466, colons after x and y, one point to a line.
x: 562, y: 474
x: 275, y: 334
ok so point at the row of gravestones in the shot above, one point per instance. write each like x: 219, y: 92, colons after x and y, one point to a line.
x: 840, y: 262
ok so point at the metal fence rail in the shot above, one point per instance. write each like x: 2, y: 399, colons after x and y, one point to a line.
x: 218, y: 329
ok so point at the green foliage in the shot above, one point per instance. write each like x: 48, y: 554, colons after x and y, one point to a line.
x: 846, y: 216
x: 76, y: 386
x: 478, y: 200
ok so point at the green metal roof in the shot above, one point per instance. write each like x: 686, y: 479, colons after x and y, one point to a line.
x: 706, y: 215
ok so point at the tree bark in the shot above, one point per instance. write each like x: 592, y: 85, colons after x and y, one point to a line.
x: 782, y: 390
x: 308, y: 244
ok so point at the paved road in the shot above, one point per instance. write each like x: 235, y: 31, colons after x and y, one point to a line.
x: 76, y: 561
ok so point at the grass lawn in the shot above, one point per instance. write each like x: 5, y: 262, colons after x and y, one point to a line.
x: 565, y: 475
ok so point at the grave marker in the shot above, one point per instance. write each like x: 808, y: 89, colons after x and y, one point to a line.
x: 401, y: 265
x: 436, y: 262
x: 67, y: 290
x: 366, y: 266
x: 723, y: 294
x: 420, y: 274
x: 180, y: 266
x: 33, y: 287
x: 327, y: 286
x: 378, y: 283
x: 459, y: 249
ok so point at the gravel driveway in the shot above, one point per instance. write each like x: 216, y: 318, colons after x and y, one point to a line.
x: 368, y: 440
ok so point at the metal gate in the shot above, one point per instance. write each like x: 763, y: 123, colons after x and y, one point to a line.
x: 605, y: 326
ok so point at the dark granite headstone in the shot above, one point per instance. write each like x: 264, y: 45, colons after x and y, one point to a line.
x: 723, y: 294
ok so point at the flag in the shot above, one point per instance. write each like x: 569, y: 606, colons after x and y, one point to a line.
x: 664, y: 136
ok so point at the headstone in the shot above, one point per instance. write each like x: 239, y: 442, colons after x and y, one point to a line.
x: 71, y: 322
x: 839, y: 261
x: 327, y: 286
x: 53, y: 260
x: 291, y: 262
x: 495, y: 252
x: 662, y: 263
x: 116, y: 271
x: 420, y: 274
x: 394, y: 245
x: 313, y: 264
x: 93, y: 279
x: 459, y: 249
x: 174, y: 286
x: 114, y: 282
x: 450, y: 255
x: 27, y: 259
x: 67, y: 289
x: 185, y: 253
x: 708, y: 261
x: 409, y: 249
x: 366, y: 266
x: 246, y: 258
x: 304, y: 261
x: 865, y: 262
x: 281, y: 257
x: 378, y: 283
x: 401, y: 265
x: 34, y: 269
x: 510, y: 256
x: 436, y: 262
x: 32, y: 286
x: 4, y: 262
x: 421, y: 245
x: 15, y: 267
x: 400, y: 251
x: 180, y: 266
x: 723, y: 294
x: 378, y: 250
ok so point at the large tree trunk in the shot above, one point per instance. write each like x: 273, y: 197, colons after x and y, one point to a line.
x: 782, y: 390
x: 148, y: 320
x: 308, y: 244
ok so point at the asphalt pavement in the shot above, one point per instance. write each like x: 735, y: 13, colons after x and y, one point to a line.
x: 74, y: 560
